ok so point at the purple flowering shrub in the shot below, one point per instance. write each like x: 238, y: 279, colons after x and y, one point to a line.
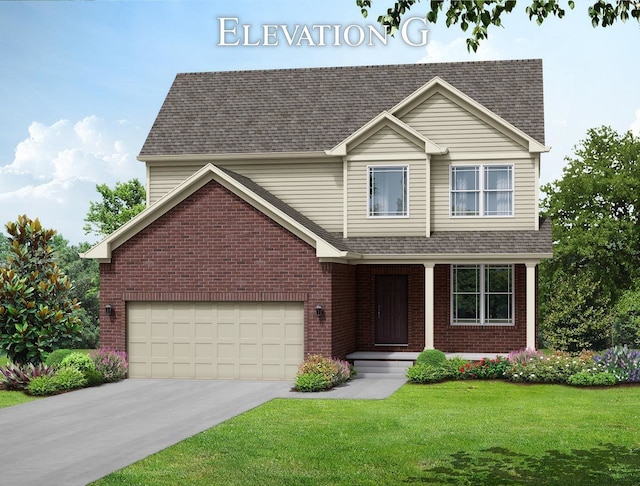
x: 622, y: 362
x: 111, y: 364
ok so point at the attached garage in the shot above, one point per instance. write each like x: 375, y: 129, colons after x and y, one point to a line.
x: 215, y: 340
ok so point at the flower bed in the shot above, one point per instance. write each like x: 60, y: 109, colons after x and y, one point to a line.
x: 613, y: 366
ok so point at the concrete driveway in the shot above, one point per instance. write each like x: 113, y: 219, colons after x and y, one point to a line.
x: 78, y: 437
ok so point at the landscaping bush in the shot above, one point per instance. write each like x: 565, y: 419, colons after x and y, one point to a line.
x: 591, y: 378
x: 68, y: 379
x: 422, y: 373
x: 333, y: 371
x: 311, y: 382
x: 111, y: 364
x: 455, y: 366
x: 524, y: 355
x: 17, y: 377
x: 433, y: 357
x: 55, y: 357
x: 93, y: 377
x: 486, y: 369
x: 42, y: 386
x: 556, y: 368
x: 79, y: 361
x: 622, y: 362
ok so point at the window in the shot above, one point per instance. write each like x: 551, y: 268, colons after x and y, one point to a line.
x: 482, y: 190
x: 482, y: 294
x: 388, y: 195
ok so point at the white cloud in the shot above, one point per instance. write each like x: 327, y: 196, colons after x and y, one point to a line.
x: 56, y: 168
x: 635, y: 126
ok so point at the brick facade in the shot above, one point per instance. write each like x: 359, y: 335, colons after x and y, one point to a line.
x: 216, y: 247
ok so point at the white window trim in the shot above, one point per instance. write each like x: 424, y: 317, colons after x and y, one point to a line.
x: 387, y: 166
x: 482, y: 297
x: 481, y: 211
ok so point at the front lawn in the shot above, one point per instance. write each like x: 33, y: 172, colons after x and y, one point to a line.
x: 459, y: 432
x: 10, y: 398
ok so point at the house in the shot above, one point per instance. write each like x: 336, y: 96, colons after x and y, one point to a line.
x: 380, y: 209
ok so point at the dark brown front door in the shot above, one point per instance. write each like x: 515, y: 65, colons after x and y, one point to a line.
x: 392, y: 309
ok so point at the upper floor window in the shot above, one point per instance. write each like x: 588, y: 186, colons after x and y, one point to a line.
x: 482, y: 190
x: 388, y: 193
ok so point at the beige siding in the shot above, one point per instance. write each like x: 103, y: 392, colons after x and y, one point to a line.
x: 524, y: 199
x: 451, y: 126
x: 385, y: 141
x: 312, y: 188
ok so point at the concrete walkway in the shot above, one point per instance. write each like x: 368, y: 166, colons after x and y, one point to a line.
x: 79, y: 437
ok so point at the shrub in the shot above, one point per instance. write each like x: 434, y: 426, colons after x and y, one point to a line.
x: 622, y: 362
x: 311, y: 382
x: 486, y: 369
x: 591, y: 378
x: 55, y: 357
x: 68, y: 379
x: 433, y: 357
x: 93, y: 377
x: 17, y: 377
x: 42, y: 386
x: 111, y: 364
x: 524, y: 355
x: 79, y: 361
x: 334, y: 371
x: 455, y: 366
x: 422, y: 373
x: 556, y: 368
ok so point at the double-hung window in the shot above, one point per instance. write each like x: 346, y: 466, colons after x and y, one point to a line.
x: 482, y: 294
x: 388, y: 192
x: 482, y: 190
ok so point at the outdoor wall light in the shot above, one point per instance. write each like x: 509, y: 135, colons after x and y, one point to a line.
x: 319, y: 310
x: 108, y: 309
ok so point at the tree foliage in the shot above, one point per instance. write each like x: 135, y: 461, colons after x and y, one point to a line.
x: 480, y: 15
x: 118, y: 206
x: 595, y: 213
x: 37, y: 314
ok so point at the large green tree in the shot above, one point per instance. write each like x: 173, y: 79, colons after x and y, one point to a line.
x: 481, y: 15
x: 595, y: 213
x: 118, y: 206
x: 37, y: 314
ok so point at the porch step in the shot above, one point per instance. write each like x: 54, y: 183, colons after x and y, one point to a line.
x: 382, y: 364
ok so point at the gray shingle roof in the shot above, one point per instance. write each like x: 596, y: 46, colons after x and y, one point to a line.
x: 459, y: 242
x: 313, y: 109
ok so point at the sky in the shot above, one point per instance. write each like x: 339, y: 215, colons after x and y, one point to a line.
x: 82, y: 82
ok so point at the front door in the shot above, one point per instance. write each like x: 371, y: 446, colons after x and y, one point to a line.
x: 392, y: 310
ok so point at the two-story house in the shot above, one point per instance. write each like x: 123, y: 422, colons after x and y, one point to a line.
x: 332, y: 211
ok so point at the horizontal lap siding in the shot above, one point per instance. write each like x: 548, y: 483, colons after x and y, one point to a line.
x: 524, y: 199
x: 386, y: 141
x: 451, y: 126
x: 312, y: 188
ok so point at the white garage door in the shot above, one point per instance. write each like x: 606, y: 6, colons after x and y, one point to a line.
x: 215, y: 340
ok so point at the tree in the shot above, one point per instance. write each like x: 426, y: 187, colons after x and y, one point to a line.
x: 37, y: 314
x: 481, y: 15
x: 595, y: 214
x: 4, y: 248
x: 118, y: 206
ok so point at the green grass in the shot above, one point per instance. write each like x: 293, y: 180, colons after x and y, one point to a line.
x: 10, y: 398
x: 468, y: 433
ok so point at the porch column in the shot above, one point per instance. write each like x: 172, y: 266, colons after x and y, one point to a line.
x: 428, y: 305
x: 531, y: 305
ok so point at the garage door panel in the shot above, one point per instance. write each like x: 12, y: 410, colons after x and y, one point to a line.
x: 224, y: 340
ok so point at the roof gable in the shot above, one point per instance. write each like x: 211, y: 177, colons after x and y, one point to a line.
x: 280, y: 111
x: 325, y: 244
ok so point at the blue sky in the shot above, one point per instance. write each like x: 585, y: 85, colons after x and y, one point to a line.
x: 82, y: 82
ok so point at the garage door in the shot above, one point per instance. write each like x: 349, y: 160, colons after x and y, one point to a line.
x: 215, y: 340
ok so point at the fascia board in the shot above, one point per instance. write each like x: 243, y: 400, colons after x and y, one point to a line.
x: 436, y: 84
x: 443, y: 258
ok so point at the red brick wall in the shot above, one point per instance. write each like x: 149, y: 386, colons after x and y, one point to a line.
x: 343, y: 310
x: 365, y: 305
x: 478, y: 339
x: 215, y: 247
